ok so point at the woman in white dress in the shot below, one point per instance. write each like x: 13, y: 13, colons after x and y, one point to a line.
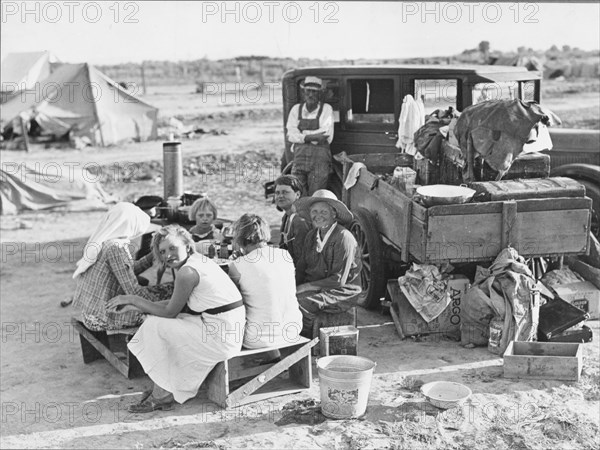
x: 265, y: 276
x: 183, y: 338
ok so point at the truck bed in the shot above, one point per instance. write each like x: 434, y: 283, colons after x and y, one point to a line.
x: 471, y: 231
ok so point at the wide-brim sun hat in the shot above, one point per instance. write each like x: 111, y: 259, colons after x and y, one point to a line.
x: 312, y: 83
x: 344, y: 216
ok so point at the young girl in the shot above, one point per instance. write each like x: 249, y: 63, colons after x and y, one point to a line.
x: 204, y: 213
x: 182, y: 339
x: 265, y: 276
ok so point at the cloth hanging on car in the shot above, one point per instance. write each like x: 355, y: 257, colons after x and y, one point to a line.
x: 412, y: 117
x: 497, y: 130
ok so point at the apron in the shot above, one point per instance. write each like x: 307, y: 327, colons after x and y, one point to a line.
x: 309, y: 156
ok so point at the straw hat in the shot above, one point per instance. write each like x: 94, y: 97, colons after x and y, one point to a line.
x: 344, y: 216
x: 312, y: 83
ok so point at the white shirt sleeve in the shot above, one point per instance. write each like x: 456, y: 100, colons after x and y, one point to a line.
x: 294, y: 135
x: 326, y: 122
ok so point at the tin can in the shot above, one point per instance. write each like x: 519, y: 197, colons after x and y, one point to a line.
x: 224, y: 250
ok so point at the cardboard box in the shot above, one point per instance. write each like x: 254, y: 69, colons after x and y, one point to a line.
x: 410, y: 322
x: 543, y: 361
x: 583, y: 295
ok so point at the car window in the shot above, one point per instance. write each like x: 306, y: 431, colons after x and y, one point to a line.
x: 371, y: 101
x: 499, y: 90
x: 436, y: 93
x: 528, y: 91
x: 330, y: 95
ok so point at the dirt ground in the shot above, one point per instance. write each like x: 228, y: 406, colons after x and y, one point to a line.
x: 49, y: 398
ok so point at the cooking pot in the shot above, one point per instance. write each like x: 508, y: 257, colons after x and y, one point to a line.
x: 444, y: 194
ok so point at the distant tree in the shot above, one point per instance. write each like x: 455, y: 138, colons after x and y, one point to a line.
x: 484, y: 47
x: 566, y: 48
x: 521, y: 50
x: 553, y: 49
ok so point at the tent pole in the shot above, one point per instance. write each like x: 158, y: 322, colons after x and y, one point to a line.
x: 25, y: 135
x: 95, y: 107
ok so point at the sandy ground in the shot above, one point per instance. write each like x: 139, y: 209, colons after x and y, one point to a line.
x: 49, y: 398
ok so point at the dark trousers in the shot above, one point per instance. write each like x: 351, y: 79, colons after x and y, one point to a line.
x: 312, y: 166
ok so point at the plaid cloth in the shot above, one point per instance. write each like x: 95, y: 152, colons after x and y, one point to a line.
x: 114, y: 273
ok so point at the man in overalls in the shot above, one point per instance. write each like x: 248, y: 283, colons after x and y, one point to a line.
x: 310, y: 130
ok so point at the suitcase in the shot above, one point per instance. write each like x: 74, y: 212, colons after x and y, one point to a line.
x: 553, y: 187
x: 557, y: 316
x: 528, y: 165
x: 583, y: 334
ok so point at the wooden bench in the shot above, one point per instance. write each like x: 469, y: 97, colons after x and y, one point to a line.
x: 110, y: 345
x: 247, y: 378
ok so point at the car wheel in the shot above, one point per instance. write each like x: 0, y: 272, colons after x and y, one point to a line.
x: 372, y: 276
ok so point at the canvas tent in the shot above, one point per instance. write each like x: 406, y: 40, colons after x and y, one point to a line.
x: 21, y: 71
x: 24, y: 188
x: 79, y: 99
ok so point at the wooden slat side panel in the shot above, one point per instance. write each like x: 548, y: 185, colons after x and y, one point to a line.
x: 418, y: 239
x: 551, y: 232
x: 387, y: 204
x: 464, y: 237
x: 477, y: 237
x: 537, y: 204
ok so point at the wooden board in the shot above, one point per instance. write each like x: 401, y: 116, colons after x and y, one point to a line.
x: 543, y: 361
x: 295, y: 358
x: 96, y: 345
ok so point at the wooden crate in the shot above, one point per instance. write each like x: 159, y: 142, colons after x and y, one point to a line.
x: 247, y: 377
x: 543, y: 361
x: 112, y: 347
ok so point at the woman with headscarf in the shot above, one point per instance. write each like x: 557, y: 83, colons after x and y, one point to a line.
x: 107, y: 269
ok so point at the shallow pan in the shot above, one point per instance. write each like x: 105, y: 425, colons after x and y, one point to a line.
x: 444, y: 194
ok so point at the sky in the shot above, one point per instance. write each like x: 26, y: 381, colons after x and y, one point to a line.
x: 119, y: 32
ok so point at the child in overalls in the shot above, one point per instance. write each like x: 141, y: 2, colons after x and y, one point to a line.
x: 310, y: 130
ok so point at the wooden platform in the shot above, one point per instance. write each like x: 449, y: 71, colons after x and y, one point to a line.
x: 112, y: 347
x: 248, y: 378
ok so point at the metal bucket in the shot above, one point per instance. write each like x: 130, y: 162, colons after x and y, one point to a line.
x: 345, y: 382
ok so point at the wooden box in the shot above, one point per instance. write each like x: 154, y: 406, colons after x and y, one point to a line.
x: 543, y: 361
x: 250, y: 377
x: 554, y: 187
x: 410, y: 323
x: 526, y: 165
x: 340, y: 340
x: 112, y: 347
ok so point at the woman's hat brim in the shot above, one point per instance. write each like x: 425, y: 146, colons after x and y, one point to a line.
x: 344, y: 215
